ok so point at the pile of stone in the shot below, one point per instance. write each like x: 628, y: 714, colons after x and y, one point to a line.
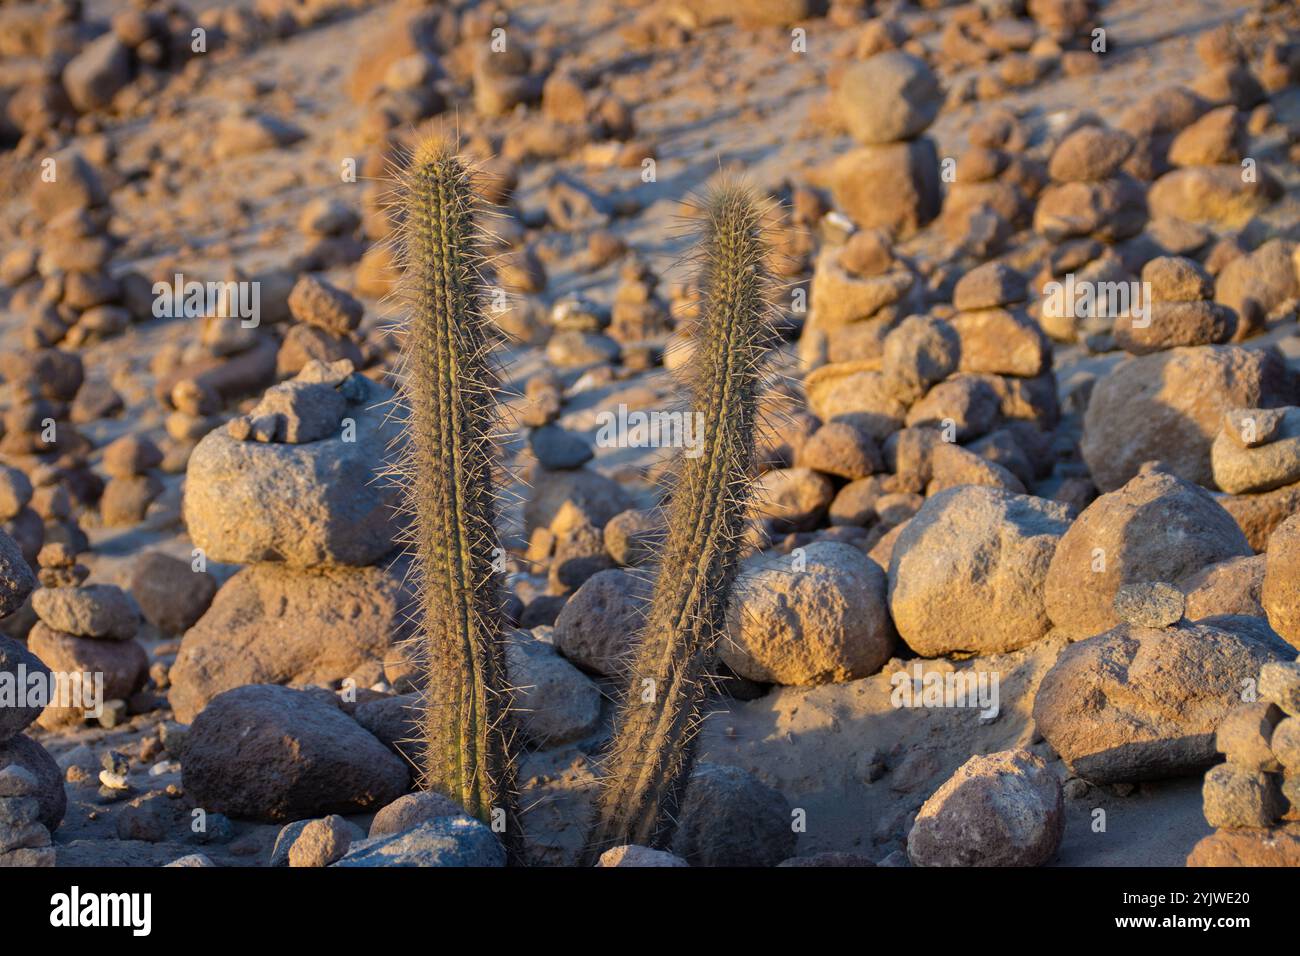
x: 1090, y: 197
x: 891, y: 180
x: 82, y: 630
x: 1180, y: 311
x: 294, y: 489
x: 637, y: 314
x: 133, y: 483
x: 325, y: 318
x: 1258, y: 786
x: 32, y: 800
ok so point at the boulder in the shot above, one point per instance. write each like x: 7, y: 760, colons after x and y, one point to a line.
x: 270, y: 753
x: 443, y: 841
x: 271, y: 624
x: 598, y: 624
x: 1157, y: 527
x: 966, y: 573
x: 1135, y: 703
x: 815, y: 616
x: 729, y: 817
x: 1001, y: 809
x: 1280, y: 595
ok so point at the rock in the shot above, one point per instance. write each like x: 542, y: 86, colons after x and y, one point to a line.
x: 1089, y: 154
x: 1279, y: 682
x: 558, y: 449
x: 921, y: 351
x: 1135, y: 704
x: 840, y: 449
x: 633, y: 855
x: 323, y: 503
x: 1177, y: 279
x: 857, y: 393
x: 170, y: 593
x: 304, y: 344
x: 1244, y: 737
x: 275, y: 625
x: 1256, y: 284
x: 1252, y: 427
x: 15, y: 492
x: 192, y: 860
x: 96, y: 74
x: 967, y: 572
x: 16, y: 578
x: 893, y: 186
x: 17, y: 666
x: 825, y: 619
x: 131, y: 455
x: 1284, y: 744
x: 1150, y: 604
x: 1158, y: 527
x: 634, y: 538
x: 1258, y: 516
x: 555, y: 702
x: 570, y: 348
x: 1216, y: 196
x: 1280, y: 595
x: 1169, y: 406
x: 1275, y: 848
x: 123, y: 664
x: 410, y: 810
x: 729, y: 817
x: 1236, y: 797
x: 1001, y: 809
x: 967, y: 404
x: 891, y: 96
x: 322, y: 842
x: 1170, y: 325
x: 988, y: 286
x: 841, y: 297
x: 1264, y: 467
x: 239, y: 135
x: 92, y: 610
x: 394, y: 719
x: 597, y: 626
x: 1228, y: 587
x: 792, y: 499
x: 997, y: 342
x: 28, y: 770
x: 78, y: 185
x: 1217, y: 137
x: 297, y: 412
x: 598, y: 498
x: 444, y: 841
x: 318, y: 303
x: 269, y: 753
x: 1110, y: 210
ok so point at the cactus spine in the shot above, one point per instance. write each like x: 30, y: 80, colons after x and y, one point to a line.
x: 651, y: 756
x: 449, y: 385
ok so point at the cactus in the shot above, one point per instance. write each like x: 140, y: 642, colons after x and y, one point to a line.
x: 651, y: 755
x: 448, y: 390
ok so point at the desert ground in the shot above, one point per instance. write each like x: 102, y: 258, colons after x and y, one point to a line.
x: 1020, y: 579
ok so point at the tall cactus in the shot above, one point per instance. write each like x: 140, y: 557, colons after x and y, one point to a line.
x: 448, y: 388
x: 651, y: 756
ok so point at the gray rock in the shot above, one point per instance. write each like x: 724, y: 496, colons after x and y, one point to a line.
x: 318, y: 303
x: 890, y: 97
x: 412, y: 809
x: 554, y: 701
x: 598, y: 498
x: 28, y: 770
x: 1236, y: 797
x: 297, y: 412
x: 171, y: 595
x: 1279, y: 682
x: 1150, y: 604
x: 16, y: 577
x: 633, y: 855
x: 92, y: 610
x: 443, y: 841
x: 1002, y: 809
x: 1137, y: 704
x: 731, y: 818
x: 598, y: 624
x: 265, y: 752
x: 323, y: 503
x: 1267, y: 464
x: 93, y: 77
x: 558, y: 449
x: 17, y: 665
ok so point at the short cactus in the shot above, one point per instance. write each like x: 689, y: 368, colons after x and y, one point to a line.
x: 651, y: 756
x: 448, y: 389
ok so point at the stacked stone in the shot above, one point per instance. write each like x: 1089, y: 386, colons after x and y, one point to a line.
x: 638, y: 314
x: 1259, y: 784
x: 1180, y: 311
x: 891, y: 180
x: 84, y: 630
x: 1089, y: 198
x: 32, y: 801
x: 325, y: 319
x: 995, y: 183
x: 131, y: 462
x: 294, y: 489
